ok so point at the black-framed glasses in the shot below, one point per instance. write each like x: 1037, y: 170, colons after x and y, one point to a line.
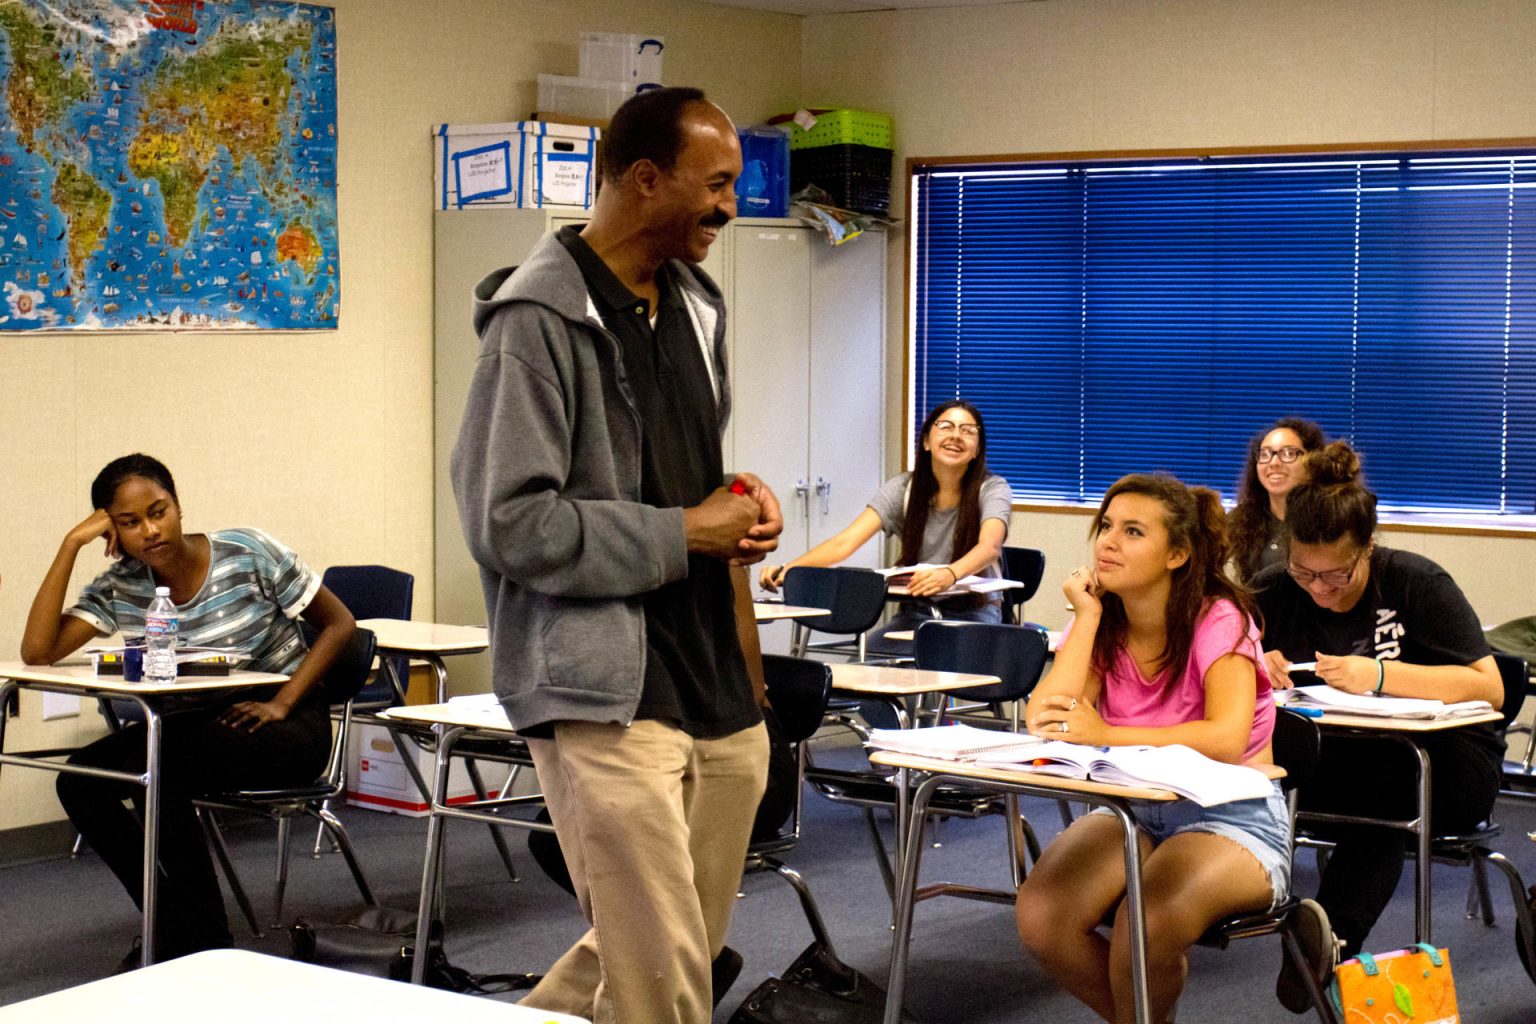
x: 950, y: 426
x: 1334, y: 578
x: 1287, y: 454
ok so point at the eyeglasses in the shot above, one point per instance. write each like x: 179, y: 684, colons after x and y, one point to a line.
x: 1286, y: 454
x: 950, y: 426
x: 1332, y: 578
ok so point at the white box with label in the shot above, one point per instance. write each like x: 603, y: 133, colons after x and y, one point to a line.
x: 378, y: 779
x: 525, y: 164
x: 635, y: 59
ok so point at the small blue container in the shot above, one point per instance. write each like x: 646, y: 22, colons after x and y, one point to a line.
x: 763, y: 188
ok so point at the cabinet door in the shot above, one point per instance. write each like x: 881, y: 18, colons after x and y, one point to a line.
x: 770, y: 375
x: 847, y: 385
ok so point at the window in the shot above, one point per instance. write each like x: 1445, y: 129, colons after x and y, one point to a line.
x: 1124, y: 316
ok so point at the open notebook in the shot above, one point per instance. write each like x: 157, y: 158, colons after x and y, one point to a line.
x: 952, y: 742
x: 898, y: 576
x: 1330, y: 699
x: 1175, y: 767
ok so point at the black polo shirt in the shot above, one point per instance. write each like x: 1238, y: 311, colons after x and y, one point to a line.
x: 695, y: 675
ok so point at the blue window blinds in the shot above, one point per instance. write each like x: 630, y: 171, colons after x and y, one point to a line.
x: 1134, y: 316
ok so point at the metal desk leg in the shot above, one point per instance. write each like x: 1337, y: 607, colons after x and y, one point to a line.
x: 432, y: 867
x: 151, y: 778
x: 1137, y: 914
x: 1423, y: 834
x: 906, y: 898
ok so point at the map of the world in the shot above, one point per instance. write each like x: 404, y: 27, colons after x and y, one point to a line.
x: 167, y: 165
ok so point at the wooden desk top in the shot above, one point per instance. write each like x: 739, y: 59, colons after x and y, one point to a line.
x: 403, y: 636
x: 82, y: 678
x: 235, y: 986
x: 1379, y: 723
x: 773, y: 611
x: 894, y: 681
x: 961, y: 769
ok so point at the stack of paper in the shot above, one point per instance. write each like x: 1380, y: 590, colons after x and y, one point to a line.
x: 1175, y: 768
x: 1330, y: 699
x: 953, y: 742
x: 898, y: 576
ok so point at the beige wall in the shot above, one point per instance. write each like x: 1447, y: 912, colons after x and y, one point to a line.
x: 1076, y: 75
x: 324, y: 440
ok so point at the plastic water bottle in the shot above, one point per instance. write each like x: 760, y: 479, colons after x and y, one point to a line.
x: 161, y: 624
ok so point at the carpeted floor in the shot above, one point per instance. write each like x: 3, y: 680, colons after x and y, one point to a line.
x: 64, y: 922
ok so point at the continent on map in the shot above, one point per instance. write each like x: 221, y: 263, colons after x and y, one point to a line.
x: 231, y: 93
x: 38, y: 89
x: 299, y: 244
x: 86, y: 207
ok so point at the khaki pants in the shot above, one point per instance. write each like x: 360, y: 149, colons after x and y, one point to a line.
x: 654, y: 826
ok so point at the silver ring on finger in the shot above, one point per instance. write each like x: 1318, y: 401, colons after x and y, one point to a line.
x: 1073, y: 704
x: 1064, y: 728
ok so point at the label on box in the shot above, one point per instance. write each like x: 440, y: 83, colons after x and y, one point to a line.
x: 483, y: 173
x: 565, y: 179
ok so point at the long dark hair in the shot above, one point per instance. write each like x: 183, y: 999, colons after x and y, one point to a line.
x: 1196, y: 523
x: 1248, y: 522
x: 1334, y: 502
x: 112, y: 475
x: 925, y: 486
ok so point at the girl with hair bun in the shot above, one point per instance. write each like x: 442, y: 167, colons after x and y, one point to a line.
x: 1375, y: 620
x: 1162, y: 649
x: 1276, y: 464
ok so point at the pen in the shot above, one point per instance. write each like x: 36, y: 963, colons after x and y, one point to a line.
x: 1306, y: 712
x: 1303, y: 666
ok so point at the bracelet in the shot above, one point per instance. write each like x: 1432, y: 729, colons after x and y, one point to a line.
x: 1381, y: 674
x: 952, y: 574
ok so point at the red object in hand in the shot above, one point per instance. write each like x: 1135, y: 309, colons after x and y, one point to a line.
x: 737, y: 487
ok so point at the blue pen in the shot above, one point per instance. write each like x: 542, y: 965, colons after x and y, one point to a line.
x: 1307, y: 712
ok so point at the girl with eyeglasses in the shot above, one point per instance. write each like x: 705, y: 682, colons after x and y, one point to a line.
x: 949, y: 511
x: 1162, y: 649
x: 1375, y: 620
x: 1276, y: 464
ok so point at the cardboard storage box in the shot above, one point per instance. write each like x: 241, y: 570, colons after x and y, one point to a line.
x: 526, y: 164
x: 377, y: 777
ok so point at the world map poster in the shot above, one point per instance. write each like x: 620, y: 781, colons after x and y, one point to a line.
x: 167, y: 165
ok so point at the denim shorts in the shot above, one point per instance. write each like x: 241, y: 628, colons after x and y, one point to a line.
x: 1261, y: 826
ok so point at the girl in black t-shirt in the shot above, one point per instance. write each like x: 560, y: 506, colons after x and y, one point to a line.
x: 1382, y: 621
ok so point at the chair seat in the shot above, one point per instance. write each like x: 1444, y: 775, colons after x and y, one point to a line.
x: 1244, y: 926
x: 1461, y: 846
x: 322, y: 789
x: 871, y: 789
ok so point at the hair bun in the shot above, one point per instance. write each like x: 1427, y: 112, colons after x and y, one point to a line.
x: 1334, y: 463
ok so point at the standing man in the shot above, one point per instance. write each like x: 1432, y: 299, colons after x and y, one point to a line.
x: 588, y: 474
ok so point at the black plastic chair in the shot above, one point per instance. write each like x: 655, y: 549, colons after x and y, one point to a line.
x: 1026, y: 566
x: 1297, y: 748
x: 855, y: 599
x: 342, y: 682
x: 797, y: 691
x: 376, y: 592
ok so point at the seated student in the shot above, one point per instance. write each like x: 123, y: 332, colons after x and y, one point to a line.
x: 1384, y: 621
x: 948, y: 511
x: 1162, y: 649
x: 233, y: 588
x: 1256, y: 524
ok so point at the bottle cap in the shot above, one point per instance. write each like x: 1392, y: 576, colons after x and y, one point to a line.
x: 162, y: 591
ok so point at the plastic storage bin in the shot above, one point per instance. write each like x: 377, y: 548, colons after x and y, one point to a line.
x: 529, y: 164
x: 857, y: 177
x: 763, y: 188
x: 590, y: 99
x: 634, y: 59
x: 839, y: 126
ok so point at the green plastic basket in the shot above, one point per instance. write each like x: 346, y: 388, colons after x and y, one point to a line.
x: 841, y: 127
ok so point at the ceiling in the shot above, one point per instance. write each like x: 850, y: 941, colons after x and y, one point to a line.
x: 850, y: 6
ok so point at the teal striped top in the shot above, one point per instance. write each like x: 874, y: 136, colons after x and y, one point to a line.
x: 250, y: 601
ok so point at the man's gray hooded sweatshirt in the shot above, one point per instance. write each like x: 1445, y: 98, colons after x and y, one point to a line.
x: 546, y: 473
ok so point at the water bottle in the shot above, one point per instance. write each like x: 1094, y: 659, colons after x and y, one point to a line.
x: 161, y: 623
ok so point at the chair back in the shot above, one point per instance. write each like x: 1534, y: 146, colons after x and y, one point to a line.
x: 1516, y: 676
x: 347, y: 674
x: 1015, y: 654
x: 1026, y: 566
x: 375, y: 592
x: 1298, y: 745
x: 855, y: 597
x: 797, y: 689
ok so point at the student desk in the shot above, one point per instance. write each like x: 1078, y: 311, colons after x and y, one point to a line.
x: 234, y: 986
x: 1406, y: 731
x: 472, y: 719
x: 428, y: 641
x: 936, y: 773
x: 775, y: 611
x: 155, y: 699
x: 900, y: 686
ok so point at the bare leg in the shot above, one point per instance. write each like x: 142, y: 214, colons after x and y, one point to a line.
x: 1065, y: 899
x: 1190, y: 882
